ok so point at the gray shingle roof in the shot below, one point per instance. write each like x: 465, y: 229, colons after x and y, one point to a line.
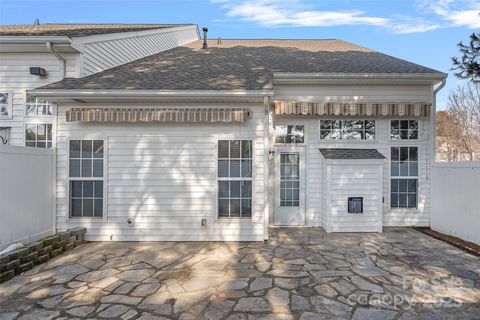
x: 240, y: 64
x: 76, y: 30
x: 351, y: 154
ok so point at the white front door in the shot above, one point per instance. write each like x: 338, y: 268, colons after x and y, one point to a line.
x: 289, y: 203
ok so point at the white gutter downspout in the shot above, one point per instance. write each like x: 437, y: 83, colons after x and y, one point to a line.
x: 433, y: 118
x: 59, y: 57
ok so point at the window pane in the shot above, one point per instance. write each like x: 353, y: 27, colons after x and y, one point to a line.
x: 402, y: 185
x: 280, y: 133
x: 404, y: 169
x: 246, y: 189
x: 235, y: 149
x: 86, y: 167
x: 412, y: 201
x: 87, y: 149
x: 235, y: 208
x: 98, y: 149
x: 412, y: 185
x: 395, y: 169
x: 99, y: 189
x: 235, y: 189
x: 325, y: 134
x: 394, y: 185
x: 394, y: 200
x: 404, y: 124
x: 30, y: 143
x: 413, y: 125
x: 76, y: 208
x: 403, y: 153
x: 298, y: 134
x: 97, y: 168
x: 31, y: 132
x: 402, y: 200
x: 413, y: 153
x: 325, y: 124
x: 74, y: 168
x: 88, y: 189
x: 223, y: 189
x: 223, y: 207
x: 404, y: 134
x: 413, y: 167
x: 76, y: 189
x: 74, y: 148
x: 87, y: 207
x: 234, y: 168
x: 223, y: 148
x: 246, y: 208
x: 246, y: 149
x: 41, y: 133
x: 246, y: 168
x: 98, y: 208
x: 41, y: 144
x: 223, y: 168
x: 395, y: 154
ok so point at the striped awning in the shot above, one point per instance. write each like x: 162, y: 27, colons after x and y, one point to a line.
x: 129, y: 115
x: 352, y: 109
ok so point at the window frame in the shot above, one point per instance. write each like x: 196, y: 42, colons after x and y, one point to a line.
x: 400, y: 177
x: 290, y: 125
x: 408, y: 140
x: 229, y: 219
x: 9, y: 105
x: 104, y: 217
x: 348, y: 140
x: 36, y: 140
x: 36, y: 108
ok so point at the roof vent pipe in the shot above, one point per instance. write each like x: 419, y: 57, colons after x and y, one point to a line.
x: 36, y: 22
x: 205, y: 30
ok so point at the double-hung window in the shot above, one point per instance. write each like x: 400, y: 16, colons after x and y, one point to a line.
x: 404, y: 177
x: 235, y: 178
x: 38, y: 126
x: 86, y: 178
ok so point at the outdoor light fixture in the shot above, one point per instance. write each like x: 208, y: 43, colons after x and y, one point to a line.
x: 205, y: 30
x: 37, y: 71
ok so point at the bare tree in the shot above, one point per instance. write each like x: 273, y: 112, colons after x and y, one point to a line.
x: 459, y: 127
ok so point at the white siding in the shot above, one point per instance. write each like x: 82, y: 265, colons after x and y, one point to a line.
x: 455, y: 195
x: 104, y: 52
x: 15, y: 77
x: 315, y: 205
x: 353, y: 180
x: 164, y: 177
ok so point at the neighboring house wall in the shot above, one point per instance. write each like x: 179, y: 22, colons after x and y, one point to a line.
x: 163, y: 177
x: 315, y: 205
x: 26, y: 194
x: 16, y: 79
x: 102, y: 52
x: 455, y: 194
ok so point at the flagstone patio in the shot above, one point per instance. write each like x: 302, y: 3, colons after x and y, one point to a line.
x: 302, y: 273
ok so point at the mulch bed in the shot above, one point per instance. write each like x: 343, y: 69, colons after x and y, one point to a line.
x: 467, y: 246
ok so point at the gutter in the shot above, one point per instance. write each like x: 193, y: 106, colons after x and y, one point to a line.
x: 64, y: 93
x: 35, y: 39
x: 433, y: 118
x: 49, y: 46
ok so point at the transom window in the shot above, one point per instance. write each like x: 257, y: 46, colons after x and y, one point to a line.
x: 289, y: 180
x: 289, y: 134
x: 404, y: 129
x: 347, y: 129
x: 86, y: 178
x: 235, y: 178
x: 38, y: 107
x: 38, y: 135
x: 404, y: 177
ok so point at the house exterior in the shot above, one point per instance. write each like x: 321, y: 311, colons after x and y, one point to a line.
x: 221, y: 143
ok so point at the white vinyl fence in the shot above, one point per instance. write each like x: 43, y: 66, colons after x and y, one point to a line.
x: 26, y: 194
x: 456, y: 199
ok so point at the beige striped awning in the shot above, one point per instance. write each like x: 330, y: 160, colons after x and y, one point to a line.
x: 352, y: 109
x: 193, y: 115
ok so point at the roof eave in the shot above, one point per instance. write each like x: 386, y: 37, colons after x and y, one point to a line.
x: 355, y: 78
x: 35, y: 39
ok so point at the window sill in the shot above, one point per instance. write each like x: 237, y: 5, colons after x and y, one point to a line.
x: 235, y: 220
x: 86, y: 219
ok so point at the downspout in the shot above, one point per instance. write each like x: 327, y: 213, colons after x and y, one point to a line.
x: 433, y: 118
x: 266, y: 163
x: 58, y: 56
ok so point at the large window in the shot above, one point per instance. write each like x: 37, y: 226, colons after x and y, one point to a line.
x: 38, y: 107
x: 347, y: 129
x: 404, y: 177
x: 234, y: 178
x: 289, y: 134
x: 38, y: 135
x: 86, y: 178
x: 404, y: 129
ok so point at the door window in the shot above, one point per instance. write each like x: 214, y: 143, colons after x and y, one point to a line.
x: 289, y: 180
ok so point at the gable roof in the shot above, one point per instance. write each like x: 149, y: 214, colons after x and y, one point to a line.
x: 351, y: 154
x: 240, y: 65
x: 77, y: 30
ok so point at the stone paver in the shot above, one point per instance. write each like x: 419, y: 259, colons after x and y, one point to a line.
x: 300, y: 274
